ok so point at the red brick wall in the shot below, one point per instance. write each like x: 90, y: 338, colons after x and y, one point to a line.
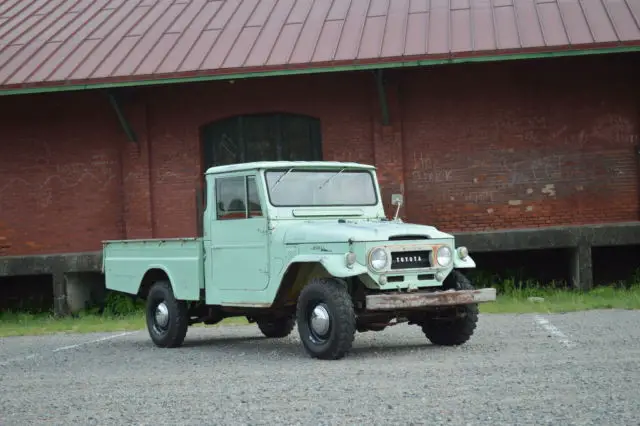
x: 473, y: 147
x: 60, y: 176
x: 519, y: 145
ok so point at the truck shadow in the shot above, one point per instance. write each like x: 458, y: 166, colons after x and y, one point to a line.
x: 291, y: 347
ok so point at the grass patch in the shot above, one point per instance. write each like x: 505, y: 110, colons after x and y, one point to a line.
x: 556, y: 301
x: 24, y: 324
x: 122, y: 313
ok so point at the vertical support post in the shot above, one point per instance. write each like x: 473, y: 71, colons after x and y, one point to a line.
x: 581, y: 267
x: 60, y: 307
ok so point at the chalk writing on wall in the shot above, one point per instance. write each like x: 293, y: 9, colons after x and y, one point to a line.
x: 427, y: 170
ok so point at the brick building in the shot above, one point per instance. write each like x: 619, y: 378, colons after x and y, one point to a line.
x: 114, y: 109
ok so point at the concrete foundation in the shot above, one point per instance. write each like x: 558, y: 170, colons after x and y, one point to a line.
x: 77, y: 277
x: 62, y: 267
x: 579, y: 239
x: 83, y: 289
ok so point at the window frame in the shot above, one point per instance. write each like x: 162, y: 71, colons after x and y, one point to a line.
x: 248, y: 213
x: 368, y: 172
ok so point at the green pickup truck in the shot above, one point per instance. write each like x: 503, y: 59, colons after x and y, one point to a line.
x: 300, y: 242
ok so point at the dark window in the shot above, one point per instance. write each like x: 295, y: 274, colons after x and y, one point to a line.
x: 262, y: 137
x: 234, y: 194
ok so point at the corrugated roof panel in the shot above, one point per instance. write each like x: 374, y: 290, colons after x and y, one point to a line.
x: 396, y: 27
x: 417, y: 33
x: 74, y: 59
x: 623, y: 19
x: 22, y: 16
x: 188, y: 38
x: 284, y: 45
x: 300, y: 12
x: 149, y: 41
x: 529, y: 27
x: 310, y: 33
x: 351, y: 37
x: 634, y: 8
x: 439, y: 20
x: 246, y: 40
x: 33, y: 63
x: 599, y: 21
x: 482, y: 27
x: 224, y: 14
x: 7, y: 6
x: 328, y: 41
x: 229, y: 35
x: 263, y: 46
x: 461, y: 30
x: 54, y: 41
x: 373, y: 32
x: 101, y: 58
x: 575, y: 22
x: 507, y: 34
x: 419, y: 6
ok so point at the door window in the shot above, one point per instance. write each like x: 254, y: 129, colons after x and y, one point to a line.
x: 237, y: 198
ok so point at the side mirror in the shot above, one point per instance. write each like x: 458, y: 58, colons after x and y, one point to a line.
x: 397, y: 200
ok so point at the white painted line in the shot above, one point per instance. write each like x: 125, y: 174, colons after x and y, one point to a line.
x: 553, y: 330
x: 66, y: 348
x: 102, y: 339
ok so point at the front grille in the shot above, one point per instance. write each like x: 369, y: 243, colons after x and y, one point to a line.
x: 411, y: 259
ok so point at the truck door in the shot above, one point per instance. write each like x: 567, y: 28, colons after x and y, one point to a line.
x: 239, y: 239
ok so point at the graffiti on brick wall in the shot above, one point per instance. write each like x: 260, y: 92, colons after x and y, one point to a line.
x: 40, y: 177
x: 426, y: 170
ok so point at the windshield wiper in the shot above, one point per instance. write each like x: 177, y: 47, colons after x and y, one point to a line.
x: 327, y: 181
x: 280, y: 178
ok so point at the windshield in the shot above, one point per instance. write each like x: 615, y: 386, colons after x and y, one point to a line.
x: 305, y: 188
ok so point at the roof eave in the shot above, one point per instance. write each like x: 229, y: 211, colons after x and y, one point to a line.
x: 338, y: 66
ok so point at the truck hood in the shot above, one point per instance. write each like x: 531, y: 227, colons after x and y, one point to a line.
x: 323, y: 232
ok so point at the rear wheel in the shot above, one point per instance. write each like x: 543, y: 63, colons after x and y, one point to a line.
x: 277, y: 327
x: 326, y: 319
x: 459, y: 328
x: 167, y: 318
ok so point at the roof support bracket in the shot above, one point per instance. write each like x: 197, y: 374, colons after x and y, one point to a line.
x: 124, y: 123
x: 382, y: 96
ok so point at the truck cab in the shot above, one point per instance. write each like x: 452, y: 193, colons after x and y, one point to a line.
x: 305, y: 242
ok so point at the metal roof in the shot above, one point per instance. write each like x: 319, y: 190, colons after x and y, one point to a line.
x: 265, y: 165
x: 81, y: 42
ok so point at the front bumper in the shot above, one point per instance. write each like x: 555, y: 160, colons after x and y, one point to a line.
x: 396, y: 300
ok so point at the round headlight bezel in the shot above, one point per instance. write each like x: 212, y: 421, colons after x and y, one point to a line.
x: 444, y: 249
x: 371, y: 260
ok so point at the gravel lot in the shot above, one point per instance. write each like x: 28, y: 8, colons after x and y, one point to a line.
x: 579, y: 368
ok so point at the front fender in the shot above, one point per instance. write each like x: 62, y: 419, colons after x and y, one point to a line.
x: 462, y: 264
x: 335, y: 264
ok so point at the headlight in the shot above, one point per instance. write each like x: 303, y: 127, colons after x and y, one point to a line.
x: 378, y: 259
x: 443, y: 256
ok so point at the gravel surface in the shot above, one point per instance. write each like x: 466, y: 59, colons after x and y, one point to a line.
x: 578, y: 368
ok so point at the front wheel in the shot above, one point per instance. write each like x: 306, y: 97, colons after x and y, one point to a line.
x: 167, y: 318
x: 458, y: 329
x: 326, y: 319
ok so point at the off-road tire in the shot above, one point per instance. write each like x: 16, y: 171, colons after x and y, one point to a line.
x: 176, y: 330
x: 342, y: 329
x: 278, y: 327
x: 455, y: 331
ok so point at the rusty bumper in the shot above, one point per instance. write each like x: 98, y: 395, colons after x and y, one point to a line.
x: 393, y: 301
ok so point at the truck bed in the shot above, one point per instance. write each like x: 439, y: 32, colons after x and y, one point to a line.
x: 125, y: 263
